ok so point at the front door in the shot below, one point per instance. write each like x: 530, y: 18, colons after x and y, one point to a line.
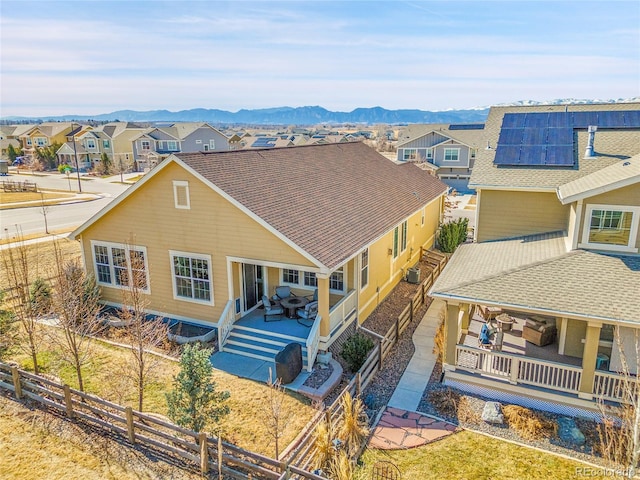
x: 253, y: 285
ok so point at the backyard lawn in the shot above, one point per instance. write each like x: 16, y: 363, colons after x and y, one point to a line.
x: 468, y: 455
x: 105, y: 377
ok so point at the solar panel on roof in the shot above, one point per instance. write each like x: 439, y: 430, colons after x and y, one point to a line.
x: 584, y: 119
x: 511, y: 136
x: 534, y: 136
x: 507, y: 155
x: 532, y: 155
x: 611, y: 119
x: 559, y: 119
x: 559, y: 155
x: 467, y: 126
x: 536, y: 120
x: 559, y: 136
x: 632, y: 118
x: 513, y: 120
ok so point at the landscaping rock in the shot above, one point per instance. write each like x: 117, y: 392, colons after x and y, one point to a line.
x: 569, y: 432
x: 289, y: 363
x: 492, y: 413
x: 370, y: 401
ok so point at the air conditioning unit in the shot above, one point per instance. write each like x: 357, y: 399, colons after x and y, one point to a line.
x: 413, y: 275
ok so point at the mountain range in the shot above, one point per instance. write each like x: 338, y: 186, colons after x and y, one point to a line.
x: 309, y: 115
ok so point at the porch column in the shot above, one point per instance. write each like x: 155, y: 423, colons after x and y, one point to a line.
x: 589, y: 354
x: 451, y: 334
x: 323, y: 304
x: 465, y: 319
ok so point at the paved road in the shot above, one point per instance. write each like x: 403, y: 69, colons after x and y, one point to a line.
x: 65, y: 216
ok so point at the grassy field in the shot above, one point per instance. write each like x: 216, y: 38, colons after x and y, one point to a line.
x: 9, y: 199
x: 468, y: 455
x: 37, y: 444
x: 105, y: 377
x: 41, y: 257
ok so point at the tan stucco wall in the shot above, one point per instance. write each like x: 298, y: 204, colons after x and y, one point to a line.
x: 384, y: 271
x: 576, y: 331
x: 505, y: 214
x: 212, y: 226
x: 628, y: 196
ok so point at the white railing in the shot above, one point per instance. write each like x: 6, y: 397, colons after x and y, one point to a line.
x: 486, y: 362
x: 518, y: 369
x: 610, y: 386
x: 341, y: 310
x: 541, y: 373
x: 225, y: 324
x: 313, y: 340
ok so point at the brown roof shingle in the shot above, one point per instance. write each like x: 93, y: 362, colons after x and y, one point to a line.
x: 330, y: 200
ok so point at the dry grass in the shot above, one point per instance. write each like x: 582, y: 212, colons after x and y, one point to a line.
x: 42, y: 257
x: 529, y: 424
x: 451, y: 404
x: 15, y: 197
x: 38, y: 444
x: 104, y: 377
x: 467, y: 455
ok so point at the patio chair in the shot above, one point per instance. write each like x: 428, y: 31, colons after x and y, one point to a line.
x: 282, y: 291
x: 271, y: 310
x: 314, y: 297
x: 307, y: 315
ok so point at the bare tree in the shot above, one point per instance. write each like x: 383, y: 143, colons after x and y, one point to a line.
x: 18, y: 267
x: 274, y: 411
x: 619, y: 431
x: 142, y: 333
x: 75, y: 302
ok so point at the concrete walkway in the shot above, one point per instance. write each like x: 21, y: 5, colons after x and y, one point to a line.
x: 408, y: 393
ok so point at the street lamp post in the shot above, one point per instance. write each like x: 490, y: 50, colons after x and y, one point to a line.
x: 75, y: 154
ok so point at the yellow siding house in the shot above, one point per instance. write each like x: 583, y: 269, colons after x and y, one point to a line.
x: 218, y: 231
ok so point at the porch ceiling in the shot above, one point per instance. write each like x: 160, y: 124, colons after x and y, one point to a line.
x: 532, y: 273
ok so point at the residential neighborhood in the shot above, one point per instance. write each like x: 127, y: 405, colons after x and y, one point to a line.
x: 319, y: 240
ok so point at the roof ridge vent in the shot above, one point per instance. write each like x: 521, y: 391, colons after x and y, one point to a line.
x: 589, y: 152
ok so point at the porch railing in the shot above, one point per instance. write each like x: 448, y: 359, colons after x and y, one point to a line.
x: 518, y: 369
x: 342, y: 310
x: 610, y: 386
x: 225, y: 324
x: 313, y: 340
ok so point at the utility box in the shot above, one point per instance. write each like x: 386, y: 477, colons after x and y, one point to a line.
x: 413, y: 275
x: 4, y: 168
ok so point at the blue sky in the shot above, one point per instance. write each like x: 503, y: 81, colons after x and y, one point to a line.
x: 90, y: 57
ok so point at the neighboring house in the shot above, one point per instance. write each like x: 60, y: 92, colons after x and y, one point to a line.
x: 451, y: 148
x: 158, y: 143
x: 46, y: 134
x: 7, y: 138
x: 557, y: 247
x: 217, y: 231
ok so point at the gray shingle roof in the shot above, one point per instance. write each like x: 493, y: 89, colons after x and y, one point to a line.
x: 330, y: 200
x: 533, y: 273
x: 610, y: 147
x: 623, y: 171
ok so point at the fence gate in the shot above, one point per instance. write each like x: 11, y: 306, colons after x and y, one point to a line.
x: 385, y: 471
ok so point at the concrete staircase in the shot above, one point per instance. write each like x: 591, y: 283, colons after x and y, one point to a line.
x: 254, y: 343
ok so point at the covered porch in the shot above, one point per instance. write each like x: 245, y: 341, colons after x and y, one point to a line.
x: 577, y: 361
x: 244, y: 329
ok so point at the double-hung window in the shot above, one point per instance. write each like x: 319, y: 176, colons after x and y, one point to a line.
x: 172, y: 146
x: 41, y: 141
x: 192, y: 277
x: 336, y: 280
x: 451, y: 154
x: 310, y: 279
x: 145, y: 145
x: 116, y: 265
x: 364, y: 268
x: 409, y: 154
x: 290, y: 276
x: 91, y: 144
x: 105, y: 144
x: 403, y: 238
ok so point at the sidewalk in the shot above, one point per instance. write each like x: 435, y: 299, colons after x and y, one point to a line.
x: 408, y: 393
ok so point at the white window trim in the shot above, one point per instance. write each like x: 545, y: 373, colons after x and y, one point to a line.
x: 423, y: 215
x: 633, y: 234
x: 444, y: 154
x: 406, y: 151
x: 127, y: 248
x: 179, y: 184
x: 362, y: 267
x: 174, y: 144
x: 212, y: 143
x: 301, y: 286
x: 404, y: 236
x: 197, y: 256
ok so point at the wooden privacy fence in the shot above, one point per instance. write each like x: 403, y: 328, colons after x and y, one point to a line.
x: 211, y: 454
x: 302, y: 450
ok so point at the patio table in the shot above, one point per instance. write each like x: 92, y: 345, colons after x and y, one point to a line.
x: 291, y: 304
